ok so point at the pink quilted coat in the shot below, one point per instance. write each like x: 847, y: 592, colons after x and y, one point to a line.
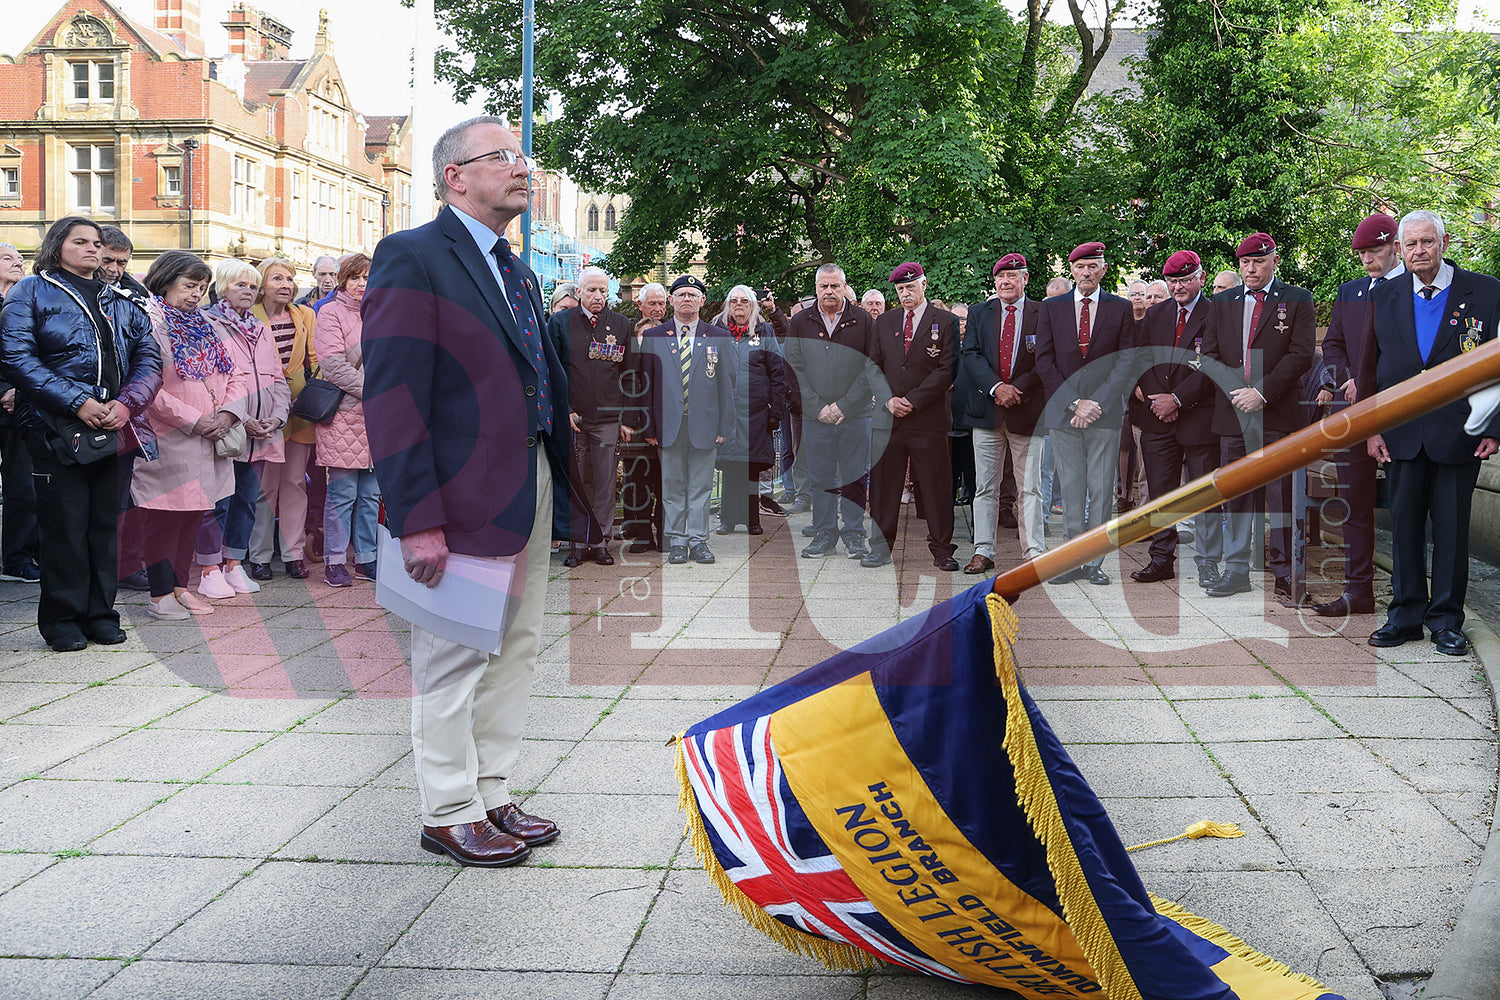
x: 342, y: 443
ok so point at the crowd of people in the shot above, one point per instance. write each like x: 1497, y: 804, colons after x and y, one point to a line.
x: 148, y: 438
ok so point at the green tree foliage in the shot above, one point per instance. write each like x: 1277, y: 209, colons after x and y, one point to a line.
x: 791, y: 132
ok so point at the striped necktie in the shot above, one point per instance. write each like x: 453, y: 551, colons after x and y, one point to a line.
x: 685, y: 350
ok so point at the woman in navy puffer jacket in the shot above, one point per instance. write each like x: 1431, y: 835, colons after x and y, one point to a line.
x: 76, y: 349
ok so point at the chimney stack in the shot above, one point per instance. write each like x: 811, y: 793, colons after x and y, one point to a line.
x: 255, y: 36
x: 181, y: 20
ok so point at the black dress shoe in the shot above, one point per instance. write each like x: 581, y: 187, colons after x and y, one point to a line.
x: 724, y: 529
x: 105, y: 635
x: 296, y: 569
x: 68, y: 643
x: 135, y: 581
x: 678, y: 555
x: 821, y: 546
x: 576, y: 556
x: 1008, y: 519
x: 1208, y: 577
x: 1230, y: 584
x: 878, y: 556
x: 478, y: 845
x: 260, y: 571
x: 1450, y: 641
x: 947, y: 564
x: 1344, y: 605
x: 602, y: 556
x: 1391, y: 634
x: 1153, y: 572
x: 1097, y: 576
x: 641, y: 545
x: 1071, y: 576
x: 1283, y: 592
x: 701, y: 554
x: 756, y: 529
x: 532, y: 829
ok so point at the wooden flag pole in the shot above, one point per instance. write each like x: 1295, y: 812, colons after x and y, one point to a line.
x: 1448, y: 382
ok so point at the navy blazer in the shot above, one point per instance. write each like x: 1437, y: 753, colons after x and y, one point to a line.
x: 979, y: 369
x: 711, y: 381
x: 1470, y: 319
x: 1065, y: 373
x: 1182, y: 376
x: 450, y: 394
x: 1351, y: 330
x: 1281, y: 354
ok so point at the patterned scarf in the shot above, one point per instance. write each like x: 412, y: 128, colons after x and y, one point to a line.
x: 197, y: 351
x: 243, y: 323
x: 738, y: 330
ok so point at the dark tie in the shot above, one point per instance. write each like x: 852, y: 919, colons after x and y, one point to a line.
x: 1260, y: 300
x: 1007, y: 343
x: 520, y: 303
x: 1379, y: 281
x: 1181, y: 325
x: 906, y: 332
x: 593, y: 321
x: 1428, y: 291
x: 1083, y: 329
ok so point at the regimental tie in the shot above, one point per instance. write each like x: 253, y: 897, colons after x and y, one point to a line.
x: 1181, y: 325
x: 685, y: 351
x: 906, y: 331
x: 1260, y: 301
x: 1428, y: 291
x: 515, y: 292
x: 1007, y: 343
x: 1084, y: 336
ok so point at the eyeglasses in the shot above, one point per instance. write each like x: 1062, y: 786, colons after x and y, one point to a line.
x: 505, y: 156
x: 1179, y: 282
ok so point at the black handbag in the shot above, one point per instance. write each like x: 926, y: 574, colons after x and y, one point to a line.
x: 74, y: 442
x: 319, y: 399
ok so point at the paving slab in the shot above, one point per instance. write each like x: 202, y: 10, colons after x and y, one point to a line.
x: 148, y: 980
x: 629, y: 768
x: 475, y: 984
x: 1398, y: 920
x: 159, y: 755
x: 229, y: 821
x: 609, y: 831
x: 52, y: 978
x: 1282, y: 718
x: 1126, y: 721
x: 17, y: 868
x: 312, y: 758
x: 656, y: 986
x: 1332, y: 765
x: 1142, y: 820
x: 1335, y: 831
x: 372, y: 824
x: 1416, y: 718
x: 46, y: 815
x: 1170, y: 770
x: 114, y: 704
x: 1440, y: 765
x: 260, y: 715
x: 29, y: 750
x: 60, y: 913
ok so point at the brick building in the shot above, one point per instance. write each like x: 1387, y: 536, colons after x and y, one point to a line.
x: 250, y: 154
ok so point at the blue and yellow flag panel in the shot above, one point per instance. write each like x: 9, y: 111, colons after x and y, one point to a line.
x: 906, y: 802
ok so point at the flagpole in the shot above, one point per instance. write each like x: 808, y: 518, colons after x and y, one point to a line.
x: 1437, y: 387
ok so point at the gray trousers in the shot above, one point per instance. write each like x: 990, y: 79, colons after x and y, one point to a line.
x: 990, y: 447
x: 1243, y: 510
x: 596, y: 456
x: 687, y: 479
x: 1086, y: 462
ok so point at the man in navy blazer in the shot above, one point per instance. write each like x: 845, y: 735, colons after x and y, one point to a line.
x: 1351, y: 328
x: 690, y: 439
x: 1173, y: 406
x: 1078, y: 335
x: 1263, y: 331
x: 998, y: 393
x: 466, y: 409
x: 1431, y: 314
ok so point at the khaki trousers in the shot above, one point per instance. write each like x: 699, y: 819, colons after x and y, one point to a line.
x: 468, y: 710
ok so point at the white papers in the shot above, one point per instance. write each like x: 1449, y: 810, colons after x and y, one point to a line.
x: 469, y: 606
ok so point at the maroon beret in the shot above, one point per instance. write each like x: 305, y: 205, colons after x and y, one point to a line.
x: 910, y: 271
x: 1255, y: 245
x: 1376, y: 231
x: 1010, y: 262
x: 1085, y: 251
x: 1181, y: 264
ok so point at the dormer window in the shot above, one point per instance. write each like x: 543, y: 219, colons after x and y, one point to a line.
x: 93, y: 82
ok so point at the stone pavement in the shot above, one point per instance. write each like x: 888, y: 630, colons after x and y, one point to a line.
x: 225, y: 808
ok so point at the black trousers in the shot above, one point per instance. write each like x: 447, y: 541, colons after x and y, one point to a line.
x: 1165, y: 457
x: 930, y: 473
x: 739, y: 499
x: 1357, y: 488
x: 1421, y: 492
x: 18, y: 531
x: 640, y: 496
x: 170, y: 537
x: 78, y: 509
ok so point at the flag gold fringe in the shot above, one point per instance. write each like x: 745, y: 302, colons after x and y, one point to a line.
x: 1210, y: 931
x: 833, y: 954
x: 1034, y: 791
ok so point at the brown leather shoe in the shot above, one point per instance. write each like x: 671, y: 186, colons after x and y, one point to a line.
x: 478, y: 845
x: 532, y: 829
x: 979, y: 564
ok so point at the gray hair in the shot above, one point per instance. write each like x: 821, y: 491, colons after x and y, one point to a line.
x: 592, y: 272
x: 1420, y: 215
x: 832, y: 268
x: 332, y: 260
x: 10, y: 246
x: 451, y: 147
x: 655, y: 286
x: 745, y: 290
x: 873, y: 294
x: 1163, y: 284
x: 230, y: 270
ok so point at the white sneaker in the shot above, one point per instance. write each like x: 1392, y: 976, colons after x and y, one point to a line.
x: 214, y: 586
x: 241, y: 583
x: 168, y: 609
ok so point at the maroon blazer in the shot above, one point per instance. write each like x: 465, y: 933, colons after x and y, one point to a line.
x: 923, y: 374
x: 1183, y: 376
x: 1281, y: 354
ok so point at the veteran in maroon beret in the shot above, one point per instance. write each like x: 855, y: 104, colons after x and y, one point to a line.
x: 998, y: 393
x: 913, y: 348
x: 1078, y: 336
x: 1173, y: 405
x: 1351, y: 327
x: 1263, y: 331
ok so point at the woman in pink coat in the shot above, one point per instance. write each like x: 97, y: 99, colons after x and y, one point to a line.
x: 199, y: 378
x: 353, y: 503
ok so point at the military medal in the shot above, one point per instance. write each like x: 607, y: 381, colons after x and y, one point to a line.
x: 712, y: 359
x: 755, y: 340
x: 1473, y: 334
x: 933, y: 350
x: 1030, y: 343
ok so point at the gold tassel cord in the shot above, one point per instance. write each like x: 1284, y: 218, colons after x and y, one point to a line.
x: 1202, y: 828
x: 833, y: 954
x: 1210, y: 931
